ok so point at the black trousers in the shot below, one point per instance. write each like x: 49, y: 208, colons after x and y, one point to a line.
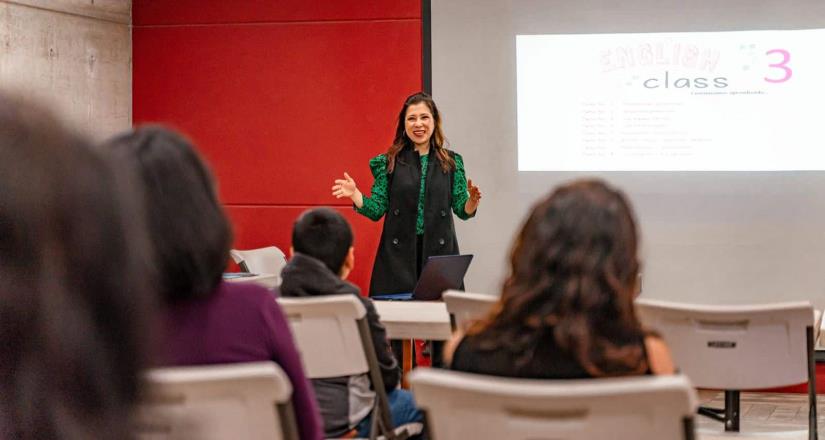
x: 435, y: 348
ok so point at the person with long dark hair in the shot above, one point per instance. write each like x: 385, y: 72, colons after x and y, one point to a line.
x: 206, y: 320
x: 566, y: 308
x: 75, y: 298
x: 418, y: 181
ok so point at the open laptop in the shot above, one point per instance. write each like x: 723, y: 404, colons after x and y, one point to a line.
x: 440, y: 273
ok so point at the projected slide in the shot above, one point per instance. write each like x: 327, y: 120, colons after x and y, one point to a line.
x: 699, y: 101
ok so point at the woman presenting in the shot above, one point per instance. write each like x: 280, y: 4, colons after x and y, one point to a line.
x: 417, y: 182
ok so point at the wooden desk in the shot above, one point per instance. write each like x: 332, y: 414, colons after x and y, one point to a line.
x: 408, y: 320
x: 268, y: 280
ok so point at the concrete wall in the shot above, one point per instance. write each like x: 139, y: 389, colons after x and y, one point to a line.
x: 72, y: 54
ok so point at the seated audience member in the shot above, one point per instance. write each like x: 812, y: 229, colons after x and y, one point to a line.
x: 566, y: 309
x: 207, y: 320
x: 322, y: 258
x: 74, y: 298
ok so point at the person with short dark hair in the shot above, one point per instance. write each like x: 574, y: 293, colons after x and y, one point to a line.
x: 75, y: 298
x: 326, y: 236
x: 322, y: 258
x: 207, y: 320
x: 566, y: 309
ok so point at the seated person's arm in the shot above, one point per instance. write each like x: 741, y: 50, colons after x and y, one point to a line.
x: 658, y: 355
x: 451, y: 345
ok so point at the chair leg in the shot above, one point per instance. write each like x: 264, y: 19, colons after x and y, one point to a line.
x: 382, y: 426
x: 712, y: 413
x: 729, y: 415
x: 289, y: 426
x: 812, y: 422
x: 731, y: 411
x: 381, y: 417
x: 374, y: 426
x: 689, y: 428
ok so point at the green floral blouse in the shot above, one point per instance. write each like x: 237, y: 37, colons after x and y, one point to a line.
x: 375, y: 206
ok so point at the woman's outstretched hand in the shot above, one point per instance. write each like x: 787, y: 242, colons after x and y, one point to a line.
x: 475, y: 197
x: 346, y: 188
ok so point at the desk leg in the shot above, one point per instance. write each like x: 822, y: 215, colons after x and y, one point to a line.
x: 406, y: 362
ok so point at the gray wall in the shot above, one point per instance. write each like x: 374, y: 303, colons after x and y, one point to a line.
x: 74, y: 55
x: 706, y: 237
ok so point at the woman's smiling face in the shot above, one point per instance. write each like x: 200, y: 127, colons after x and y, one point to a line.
x: 419, y: 123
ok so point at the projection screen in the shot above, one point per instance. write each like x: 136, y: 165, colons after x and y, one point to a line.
x: 706, y: 113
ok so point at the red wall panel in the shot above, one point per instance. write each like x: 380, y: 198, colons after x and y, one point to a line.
x: 281, y: 98
x: 279, y: 110
x: 163, y: 12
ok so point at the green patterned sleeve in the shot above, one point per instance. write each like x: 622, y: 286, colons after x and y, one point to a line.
x: 376, y: 204
x: 460, y: 194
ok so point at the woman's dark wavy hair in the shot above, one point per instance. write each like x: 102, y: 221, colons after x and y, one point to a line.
x: 437, y: 140
x: 574, y: 270
x: 187, y: 225
x: 74, y: 284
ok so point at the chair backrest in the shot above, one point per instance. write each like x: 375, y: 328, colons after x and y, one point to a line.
x: 734, y: 347
x: 251, y: 400
x: 466, y: 307
x: 334, y: 339
x: 326, y: 333
x: 470, y: 406
x: 268, y: 259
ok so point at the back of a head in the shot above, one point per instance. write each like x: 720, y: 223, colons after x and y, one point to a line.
x: 582, y: 229
x: 574, y: 266
x: 73, y: 283
x: 188, y: 228
x: 324, y: 234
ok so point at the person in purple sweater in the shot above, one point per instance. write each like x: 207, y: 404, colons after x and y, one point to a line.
x: 207, y: 321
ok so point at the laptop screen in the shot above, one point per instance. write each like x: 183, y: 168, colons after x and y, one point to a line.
x: 440, y: 273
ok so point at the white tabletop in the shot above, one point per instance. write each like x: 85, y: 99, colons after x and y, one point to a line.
x: 268, y: 280
x: 427, y: 320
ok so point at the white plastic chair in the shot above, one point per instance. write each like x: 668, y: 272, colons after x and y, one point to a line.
x: 470, y: 406
x: 215, y: 402
x: 466, y: 307
x: 736, y: 348
x: 334, y: 339
x: 268, y: 260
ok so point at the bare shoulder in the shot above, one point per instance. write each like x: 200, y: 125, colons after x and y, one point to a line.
x: 658, y: 355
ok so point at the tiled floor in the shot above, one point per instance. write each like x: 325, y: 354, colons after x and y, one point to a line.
x: 763, y: 415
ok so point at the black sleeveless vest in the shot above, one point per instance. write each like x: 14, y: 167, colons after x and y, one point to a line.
x: 395, y: 263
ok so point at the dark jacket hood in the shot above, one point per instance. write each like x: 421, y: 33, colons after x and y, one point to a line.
x: 307, y: 276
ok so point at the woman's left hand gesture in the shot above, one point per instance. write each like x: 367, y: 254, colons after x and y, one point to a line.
x: 475, y: 197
